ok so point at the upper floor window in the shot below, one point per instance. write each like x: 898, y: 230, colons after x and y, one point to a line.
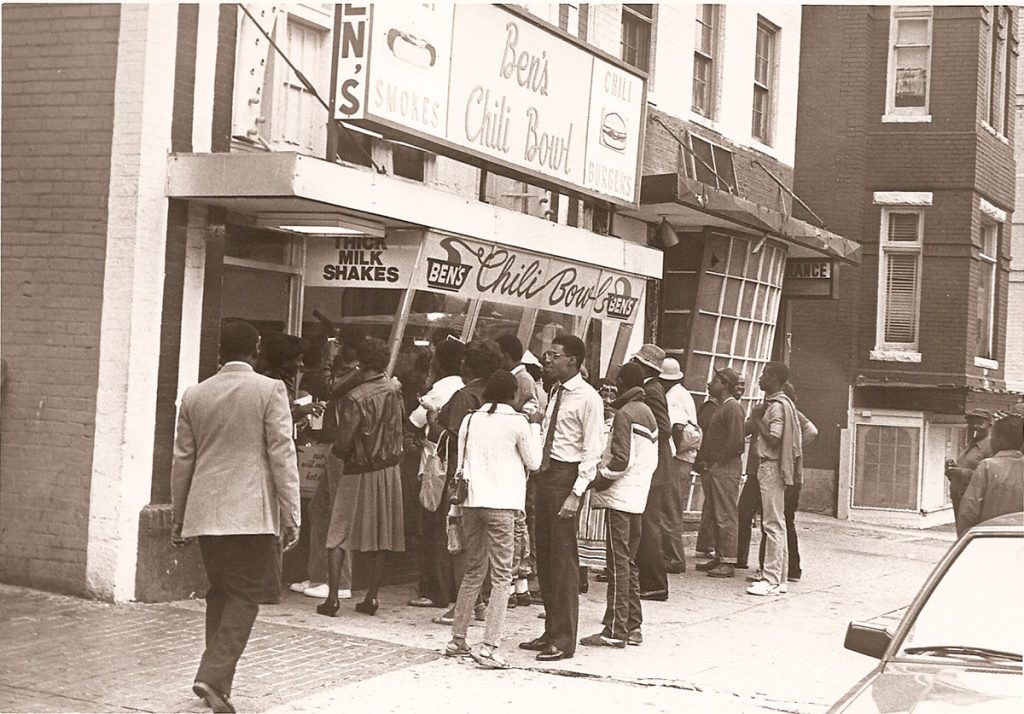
x: 910, y: 55
x: 899, y: 279
x: 998, y: 70
x: 712, y: 164
x: 705, y: 52
x: 987, y: 291
x: 637, y: 22
x: 765, y: 60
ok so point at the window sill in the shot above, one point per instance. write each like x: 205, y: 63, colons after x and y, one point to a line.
x: 985, y: 363
x: 991, y: 130
x: 891, y: 355
x: 906, y: 118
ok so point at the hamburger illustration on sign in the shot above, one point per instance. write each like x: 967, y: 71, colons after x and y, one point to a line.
x: 613, y: 132
x: 620, y: 303
x: 450, y: 274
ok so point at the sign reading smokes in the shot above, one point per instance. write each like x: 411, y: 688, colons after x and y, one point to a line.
x: 482, y: 80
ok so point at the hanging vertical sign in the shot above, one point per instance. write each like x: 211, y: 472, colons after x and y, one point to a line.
x: 353, y: 38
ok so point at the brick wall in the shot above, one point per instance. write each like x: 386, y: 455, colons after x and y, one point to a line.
x: 58, y: 98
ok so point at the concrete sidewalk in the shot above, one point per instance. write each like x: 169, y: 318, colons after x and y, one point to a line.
x: 710, y: 646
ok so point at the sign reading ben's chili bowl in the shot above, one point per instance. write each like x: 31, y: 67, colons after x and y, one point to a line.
x: 499, y: 273
x: 487, y: 83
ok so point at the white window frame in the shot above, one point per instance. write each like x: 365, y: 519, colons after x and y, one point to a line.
x: 771, y: 88
x: 717, y: 14
x: 907, y: 114
x: 287, y: 86
x: 641, y: 19
x: 692, y: 163
x: 989, y: 260
x: 996, y: 123
x: 897, y: 351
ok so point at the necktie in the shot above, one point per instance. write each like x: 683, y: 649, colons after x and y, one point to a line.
x: 549, y: 438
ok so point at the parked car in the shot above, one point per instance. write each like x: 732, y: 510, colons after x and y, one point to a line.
x: 959, y: 644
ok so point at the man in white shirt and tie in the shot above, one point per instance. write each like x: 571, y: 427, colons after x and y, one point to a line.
x: 573, y: 428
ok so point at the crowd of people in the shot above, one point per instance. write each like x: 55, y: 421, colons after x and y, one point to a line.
x: 515, y: 468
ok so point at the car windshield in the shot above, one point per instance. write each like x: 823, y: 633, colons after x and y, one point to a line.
x: 975, y: 611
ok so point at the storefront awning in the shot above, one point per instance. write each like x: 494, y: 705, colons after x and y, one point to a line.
x: 291, y: 187
x: 688, y: 202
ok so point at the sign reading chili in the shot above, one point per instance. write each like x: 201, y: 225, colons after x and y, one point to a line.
x: 487, y: 83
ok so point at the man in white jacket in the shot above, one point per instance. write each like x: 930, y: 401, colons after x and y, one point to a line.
x: 622, y: 487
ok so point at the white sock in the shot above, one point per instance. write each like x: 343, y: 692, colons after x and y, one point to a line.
x: 522, y: 586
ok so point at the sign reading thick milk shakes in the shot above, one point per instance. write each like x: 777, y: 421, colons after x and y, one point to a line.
x: 484, y: 82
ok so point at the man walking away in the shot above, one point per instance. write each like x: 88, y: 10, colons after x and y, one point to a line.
x: 780, y: 448
x: 682, y: 413
x: 997, y: 487
x: 572, y: 438
x: 722, y: 453
x: 235, y: 486
x: 622, y: 488
x: 978, y: 448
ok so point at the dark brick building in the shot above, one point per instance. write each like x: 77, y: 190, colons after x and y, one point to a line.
x: 904, y: 143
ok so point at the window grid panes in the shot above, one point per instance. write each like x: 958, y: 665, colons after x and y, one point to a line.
x: 302, y: 119
x: 910, y: 60
x: 737, y: 307
x: 712, y: 164
x: 887, y: 467
x: 636, y: 35
x: 764, y: 80
x: 987, y: 290
x: 900, y: 280
x: 704, y: 71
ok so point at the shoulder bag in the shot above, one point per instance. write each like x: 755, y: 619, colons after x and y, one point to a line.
x: 458, y: 487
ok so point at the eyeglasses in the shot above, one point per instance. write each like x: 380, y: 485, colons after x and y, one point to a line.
x: 551, y: 354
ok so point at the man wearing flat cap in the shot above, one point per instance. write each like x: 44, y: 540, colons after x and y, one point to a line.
x: 959, y: 472
x: 650, y: 560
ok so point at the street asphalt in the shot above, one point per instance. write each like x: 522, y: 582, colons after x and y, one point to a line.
x: 710, y: 647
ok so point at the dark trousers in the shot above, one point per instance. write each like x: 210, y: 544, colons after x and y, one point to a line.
x: 622, y: 613
x: 558, y: 560
x: 750, y: 505
x: 244, y: 571
x: 649, y: 557
x: 706, y: 533
x: 673, y: 504
x: 725, y: 490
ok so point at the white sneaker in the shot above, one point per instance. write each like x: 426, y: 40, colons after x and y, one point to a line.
x: 763, y: 588
x: 299, y: 587
x: 317, y: 591
x: 783, y: 588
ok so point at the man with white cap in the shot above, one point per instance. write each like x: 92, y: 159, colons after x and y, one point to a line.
x: 653, y: 580
x: 682, y: 413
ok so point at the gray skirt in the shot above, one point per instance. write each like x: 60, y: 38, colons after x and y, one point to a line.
x: 366, y: 509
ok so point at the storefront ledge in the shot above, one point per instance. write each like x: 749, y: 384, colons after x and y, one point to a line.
x: 906, y: 118
x: 903, y: 519
x: 665, y: 195
x: 895, y: 356
x: 164, y: 572
x: 985, y: 363
x: 287, y: 182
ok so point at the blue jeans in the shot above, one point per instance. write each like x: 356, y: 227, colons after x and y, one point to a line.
x: 489, y: 534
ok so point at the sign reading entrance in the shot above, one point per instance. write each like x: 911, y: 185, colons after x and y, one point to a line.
x: 809, y: 278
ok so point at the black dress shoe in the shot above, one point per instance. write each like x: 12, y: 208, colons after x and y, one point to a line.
x: 215, y: 700
x: 536, y: 645
x: 710, y: 565
x: 551, y: 653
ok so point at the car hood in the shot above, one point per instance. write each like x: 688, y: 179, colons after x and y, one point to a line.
x: 924, y: 688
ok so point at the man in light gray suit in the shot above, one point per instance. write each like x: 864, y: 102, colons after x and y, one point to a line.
x: 235, y: 486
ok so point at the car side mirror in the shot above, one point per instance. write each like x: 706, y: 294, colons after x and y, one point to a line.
x: 865, y: 639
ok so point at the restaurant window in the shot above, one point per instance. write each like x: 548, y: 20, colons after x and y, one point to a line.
x: 546, y: 328
x: 765, y: 60
x: 998, y: 71
x: 736, y: 307
x: 637, y: 23
x: 899, y: 280
x: 986, y: 299
x: 705, y: 54
x: 498, y: 318
x: 887, y: 467
x: 712, y: 164
x: 910, y: 50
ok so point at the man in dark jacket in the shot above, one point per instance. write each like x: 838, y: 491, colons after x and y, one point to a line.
x: 650, y: 558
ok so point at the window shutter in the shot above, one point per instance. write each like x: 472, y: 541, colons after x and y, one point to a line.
x: 903, y: 227
x: 901, y: 288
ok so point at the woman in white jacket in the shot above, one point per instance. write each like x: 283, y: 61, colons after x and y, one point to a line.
x: 499, y: 448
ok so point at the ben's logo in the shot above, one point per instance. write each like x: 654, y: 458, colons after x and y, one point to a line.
x: 620, y: 303
x: 443, y: 275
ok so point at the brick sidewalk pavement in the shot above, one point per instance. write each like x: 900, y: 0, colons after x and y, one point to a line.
x: 60, y: 654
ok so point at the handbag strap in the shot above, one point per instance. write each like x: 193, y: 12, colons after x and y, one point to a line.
x: 464, y: 446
